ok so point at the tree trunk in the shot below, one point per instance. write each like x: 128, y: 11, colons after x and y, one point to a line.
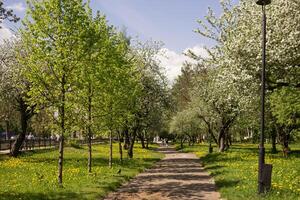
x: 141, y: 136
x: 110, y: 149
x: 226, y: 138
x: 90, y: 129
x: 223, y: 135
x: 60, y: 160
x: 120, y: 146
x: 127, y: 139
x: 147, y: 143
x: 62, y: 126
x: 284, y: 136
x: 222, y: 144
x: 90, y: 153
x: 26, y: 113
x: 221, y: 140
x: 274, y: 135
x: 181, y: 142
x: 131, y: 144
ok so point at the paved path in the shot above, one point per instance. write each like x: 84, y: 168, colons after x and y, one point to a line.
x: 179, y: 176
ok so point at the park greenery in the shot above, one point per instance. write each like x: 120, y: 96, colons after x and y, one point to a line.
x: 218, y: 97
x: 235, y: 171
x: 70, y: 74
x: 32, y: 176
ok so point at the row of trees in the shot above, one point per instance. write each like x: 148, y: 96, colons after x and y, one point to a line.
x: 219, y: 96
x: 69, y: 71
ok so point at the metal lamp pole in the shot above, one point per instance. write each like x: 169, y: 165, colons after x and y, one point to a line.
x: 261, y: 162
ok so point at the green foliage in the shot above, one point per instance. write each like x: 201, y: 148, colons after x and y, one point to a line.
x: 235, y: 172
x: 74, y: 143
x: 223, y: 88
x: 285, y: 104
x: 40, y: 176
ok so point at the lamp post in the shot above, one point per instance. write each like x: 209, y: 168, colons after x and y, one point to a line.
x: 262, y: 185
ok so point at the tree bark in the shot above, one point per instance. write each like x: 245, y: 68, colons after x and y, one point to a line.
x: 222, y: 144
x: 141, y: 137
x: 127, y: 139
x: 26, y: 112
x: 89, y: 128
x: 131, y: 144
x: 63, y: 130
x: 223, y: 135
x: 110, y: 149
x: 273, y: 137
x: 181, y: 142
x: 120, y: 146
x: 147, y: 142
x: 60, y: 160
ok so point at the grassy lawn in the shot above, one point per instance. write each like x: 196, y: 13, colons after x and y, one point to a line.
x: 235, y: 171
x: 34, y: 175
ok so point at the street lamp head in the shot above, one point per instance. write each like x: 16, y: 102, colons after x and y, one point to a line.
x: 263, y: 2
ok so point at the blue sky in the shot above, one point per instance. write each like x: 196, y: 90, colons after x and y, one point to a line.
x: 169, y: 21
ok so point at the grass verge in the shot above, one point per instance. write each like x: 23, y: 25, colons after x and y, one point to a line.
x: 33, y: 176
x: 235, y: 171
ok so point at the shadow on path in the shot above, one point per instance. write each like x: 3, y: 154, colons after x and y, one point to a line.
x: 178, y: 176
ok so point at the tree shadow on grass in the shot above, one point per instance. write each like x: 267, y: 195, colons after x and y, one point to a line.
x: 226, y: 183
x: 295, y: 153
x: 43, y: 196
x: 96, y: 161
x: 218, y: 157
x: 214, y: 167
x: 244, y: 149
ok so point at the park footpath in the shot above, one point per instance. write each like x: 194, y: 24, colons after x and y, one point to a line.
x: 179, y: 176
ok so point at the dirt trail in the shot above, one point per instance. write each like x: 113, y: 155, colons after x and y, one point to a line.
x: 179, y: 176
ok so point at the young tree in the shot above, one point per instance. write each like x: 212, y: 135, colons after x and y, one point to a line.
x: 54, y: 33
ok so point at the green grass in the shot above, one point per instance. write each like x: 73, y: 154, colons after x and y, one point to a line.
x: 33, y: 176
x: 235, y: 171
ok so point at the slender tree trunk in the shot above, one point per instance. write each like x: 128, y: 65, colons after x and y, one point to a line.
x: 62, y: 126
x: 60, y: 160
x: 222, y: 141
x: 181, y: 142
x: 90, y: 153
x: 126, y: 138
x: 147, y: 143
x: 120, y: 146
x: 110, y: 149
x: 131, y: 144
x: 141, y: 136
x: 89, y: 128
x: 274, y: 135
x: 283, y: 136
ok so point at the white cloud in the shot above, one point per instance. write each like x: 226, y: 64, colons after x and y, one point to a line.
x: 172, y: 61
x: 5, y: 33
x: 19, y: 7
x: 198, y: 50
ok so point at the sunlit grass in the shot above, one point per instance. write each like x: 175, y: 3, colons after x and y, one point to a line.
x: 34, y: 175
x: 235, y: 171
